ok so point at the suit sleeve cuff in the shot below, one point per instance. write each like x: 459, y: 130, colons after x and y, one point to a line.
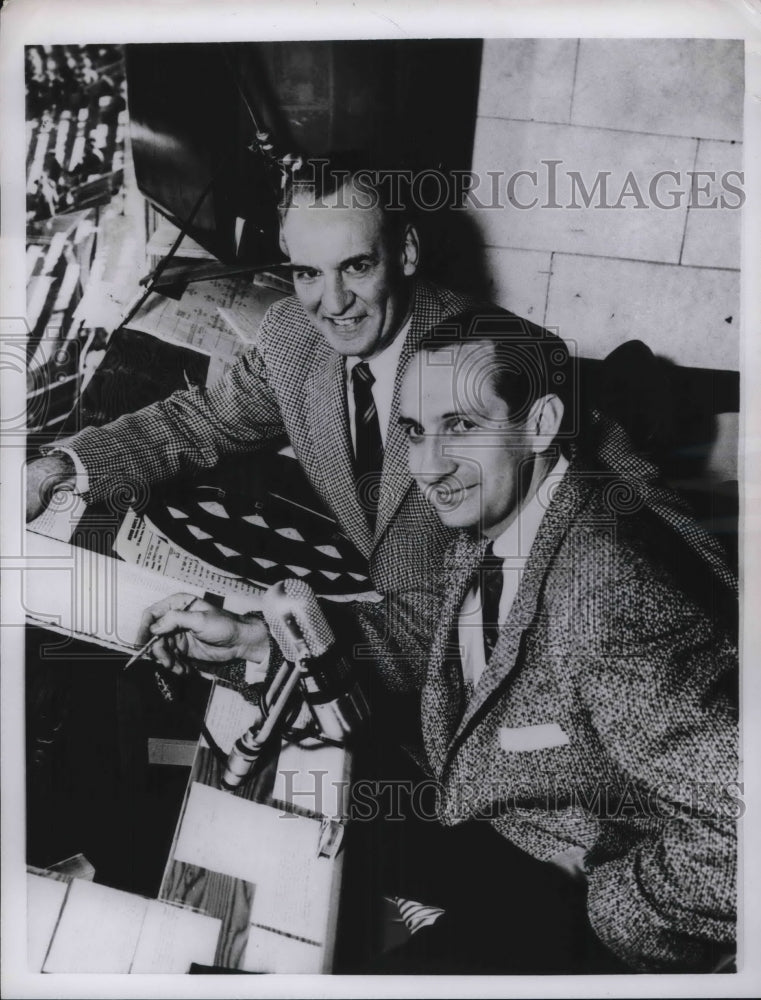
x: 81, y: 483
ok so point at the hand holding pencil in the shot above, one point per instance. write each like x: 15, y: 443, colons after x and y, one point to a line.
x: 186, y: 627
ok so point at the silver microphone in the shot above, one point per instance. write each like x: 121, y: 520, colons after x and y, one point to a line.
x: 296, y: 621
x: 299, y: 626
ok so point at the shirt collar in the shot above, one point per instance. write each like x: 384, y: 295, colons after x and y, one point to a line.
x: 384, y: 365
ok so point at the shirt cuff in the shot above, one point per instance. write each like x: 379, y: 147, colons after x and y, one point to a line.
x: 81, y: 479
x: 256, y: 671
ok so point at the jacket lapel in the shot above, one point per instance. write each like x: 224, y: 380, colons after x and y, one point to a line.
x: 442, y: 696
x: 396, y: 480
x: 329, y: 425
x: 570, y: 496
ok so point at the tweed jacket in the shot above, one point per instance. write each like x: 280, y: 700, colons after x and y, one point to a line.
x: 603, y: 729
x: 292, y: 383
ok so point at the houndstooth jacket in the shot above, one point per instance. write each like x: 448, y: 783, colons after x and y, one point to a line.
x: 293, y: 383
x: 603, y: 730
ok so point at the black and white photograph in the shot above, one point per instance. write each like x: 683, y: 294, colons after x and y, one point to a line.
x: 379, y: 480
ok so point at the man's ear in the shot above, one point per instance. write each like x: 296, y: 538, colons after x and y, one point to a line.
x: 410, y: 251
x: 281, y: 242
x: 543, y: 422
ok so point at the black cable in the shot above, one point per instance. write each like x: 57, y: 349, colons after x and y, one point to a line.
x: 173, y: 692
x: 164, y: 262
x: 215, y: 748
x: 243, y: 95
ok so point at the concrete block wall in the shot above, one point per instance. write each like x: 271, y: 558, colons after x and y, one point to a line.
x: 655, y: 256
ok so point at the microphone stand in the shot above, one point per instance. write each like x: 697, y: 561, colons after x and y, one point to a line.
x: 334, y: 700
x: 247, y: 749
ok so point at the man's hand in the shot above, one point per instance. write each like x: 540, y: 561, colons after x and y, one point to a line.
x: 203, y: 632
x: 43, y: 477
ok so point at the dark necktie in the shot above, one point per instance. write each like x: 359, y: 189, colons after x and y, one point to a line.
x: 490, y: 579
x: 368, y: 460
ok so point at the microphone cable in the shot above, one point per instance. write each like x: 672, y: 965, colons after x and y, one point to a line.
x: 171, y: 692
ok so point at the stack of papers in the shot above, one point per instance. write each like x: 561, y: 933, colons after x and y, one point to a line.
x: 86, y: 927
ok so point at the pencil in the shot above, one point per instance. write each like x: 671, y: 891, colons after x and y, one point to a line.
x: 153, y: 640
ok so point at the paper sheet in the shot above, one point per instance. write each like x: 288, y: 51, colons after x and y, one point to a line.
x: 312, y: 778
x: 60, y: 517
x: 295, y: 896
x: 178, y: 753
x: 192, y: 321
x: 139, y: 542
x: 275, y: 851
x: 195, y: 320
x: 98, y: 930
x: 44, y: 899
x: 77, y: 866
x: 228, y: 716
x: 241, y: 322
x: 172, y: 937
x: 268, y: 951
x: 164, y: 236
x: 78, y: 591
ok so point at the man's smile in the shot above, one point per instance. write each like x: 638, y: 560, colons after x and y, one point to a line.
x: 447, y: 494
x: 344, y: 322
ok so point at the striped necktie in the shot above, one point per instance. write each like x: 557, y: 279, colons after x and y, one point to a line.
x: 368, y: 460
x: 491, y: 579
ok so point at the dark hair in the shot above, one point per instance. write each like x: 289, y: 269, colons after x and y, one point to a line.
x: 529, y: 361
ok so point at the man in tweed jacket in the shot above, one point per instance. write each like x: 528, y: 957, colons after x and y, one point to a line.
x: 598, y: 735
x: 356, y: 297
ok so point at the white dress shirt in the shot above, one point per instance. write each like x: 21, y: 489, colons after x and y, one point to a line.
x: 383, y: 367
x: 513, y: 546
